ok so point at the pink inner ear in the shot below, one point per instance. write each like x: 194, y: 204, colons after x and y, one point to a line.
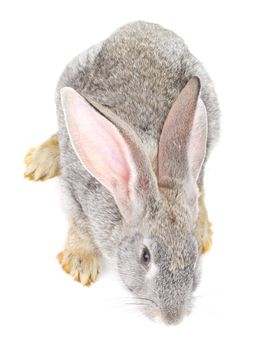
x: 99, y: 145
x: 198, y: 140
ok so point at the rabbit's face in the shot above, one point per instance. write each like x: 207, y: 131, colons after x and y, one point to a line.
x: 159, y: 264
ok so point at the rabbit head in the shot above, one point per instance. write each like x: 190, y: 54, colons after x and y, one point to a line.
x: 157, y: 253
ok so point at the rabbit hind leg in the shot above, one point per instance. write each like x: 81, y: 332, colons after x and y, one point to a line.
x: 43, y: 162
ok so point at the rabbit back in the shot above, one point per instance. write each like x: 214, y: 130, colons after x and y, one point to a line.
x: 138, y: 73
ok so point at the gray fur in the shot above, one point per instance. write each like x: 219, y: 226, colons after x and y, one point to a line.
x: 137, y: 73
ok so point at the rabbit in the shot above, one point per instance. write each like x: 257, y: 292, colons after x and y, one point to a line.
x: 138, y: 117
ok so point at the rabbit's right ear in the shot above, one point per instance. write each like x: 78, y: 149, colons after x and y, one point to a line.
x: 111, y: 154
x: 182, y: 146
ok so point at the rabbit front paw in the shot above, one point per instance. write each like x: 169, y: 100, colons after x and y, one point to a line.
x: 42, y: 162
x: 84, y: 269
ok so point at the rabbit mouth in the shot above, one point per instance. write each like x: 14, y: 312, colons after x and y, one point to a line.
x: 167, y: 315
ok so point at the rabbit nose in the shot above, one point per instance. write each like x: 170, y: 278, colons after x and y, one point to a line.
x: 172, y: 316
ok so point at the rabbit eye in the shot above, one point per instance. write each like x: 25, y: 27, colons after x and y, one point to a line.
x: 145, y: 257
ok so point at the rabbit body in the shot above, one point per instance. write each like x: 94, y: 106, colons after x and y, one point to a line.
x: 137, y: 73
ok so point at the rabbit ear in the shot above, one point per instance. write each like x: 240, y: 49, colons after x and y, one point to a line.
x: 182, y: 146
x: 111, y: 154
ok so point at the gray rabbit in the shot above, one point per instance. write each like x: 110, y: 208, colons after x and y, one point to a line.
x: 138, y: 116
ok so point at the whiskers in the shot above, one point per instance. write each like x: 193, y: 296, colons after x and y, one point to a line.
x: 141, y: 301
x: 138, y: 301
x: 138, y: 306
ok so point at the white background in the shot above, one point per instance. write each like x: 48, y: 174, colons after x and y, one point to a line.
x: 43, y: 308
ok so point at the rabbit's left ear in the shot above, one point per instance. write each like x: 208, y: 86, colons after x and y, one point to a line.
x: 182, y: 146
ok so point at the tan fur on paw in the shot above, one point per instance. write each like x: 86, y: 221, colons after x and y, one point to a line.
x: 204, y: 234
x: 84, y: 269
x: 207, y: 241
x: 42, y: 162
x: 203, y: 227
